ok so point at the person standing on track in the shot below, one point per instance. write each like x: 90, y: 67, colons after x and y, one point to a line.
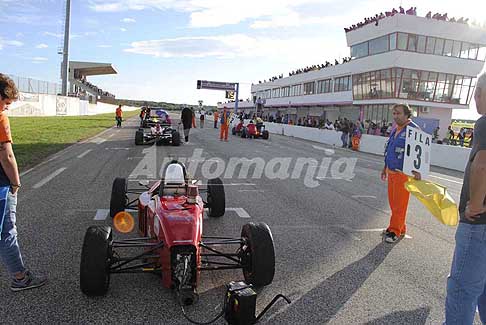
x: 188, y: 121
x: 216, y: 117
x: 22, y: 279
x: 225, y: 119
x: 118, y: 116
x: 398, y: 196
x: 466, y: 284
x: 201, y: 119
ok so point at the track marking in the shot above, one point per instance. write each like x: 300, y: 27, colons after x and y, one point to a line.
x: 85, y: 153
x: 26, y: 172
x: 326, y: 150
x: 258, y: 191
x: 97, y: 140
x: 446, y: 179
x: 101, y: 214
x: 364, y: 196
x: 117, y: 148
x: 49, y: 178
x: 111, y: 135
x: 239, y: 211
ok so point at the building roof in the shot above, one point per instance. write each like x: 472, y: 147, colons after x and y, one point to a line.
x: 92, y: 68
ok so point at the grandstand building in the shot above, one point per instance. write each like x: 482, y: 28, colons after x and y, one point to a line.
x: 430, y: 64
x: 81, y: 87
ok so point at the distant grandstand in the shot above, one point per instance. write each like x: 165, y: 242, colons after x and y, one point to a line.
x: 81, y: 87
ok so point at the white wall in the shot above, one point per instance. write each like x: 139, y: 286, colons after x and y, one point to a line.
x: 52, y: 105
x: 450, y: 157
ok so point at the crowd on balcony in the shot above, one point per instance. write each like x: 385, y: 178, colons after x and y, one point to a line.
x: 412, y: 11
x: 314, y: 67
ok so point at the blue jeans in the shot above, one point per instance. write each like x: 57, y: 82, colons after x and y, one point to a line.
x: 344, y: 139
x: 9, y: 247
x: 466, y: 283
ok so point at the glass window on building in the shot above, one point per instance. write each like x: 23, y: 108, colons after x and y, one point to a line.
x: 393, y: 41
x: 357, y: 87
x: 473, y: 51
x: 309, y: 88
x: 285, y: 91
x: 439, y: 46
x: 439, y: 88
x: 359, y: 50
x: 379, y: 45
x: 412, y: 42
x: 464, y: 50
x: 466, y: 88
x: 448, y: 47
x: 482, y: 53
x: 296, y: 90
x: 421, y: 44
x: 456, y: 93
x: 430, y: 87
x: 268, y: 93
x: 324, y: 86
x: 402, y: 41
x: 342, y: 84
x: 276, y: 93
x: 429, y: 48
x: 456, y: 49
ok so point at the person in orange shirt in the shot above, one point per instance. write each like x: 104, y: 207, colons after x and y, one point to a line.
x: 398, y: 196
x: 216, y: 117
x: 22, y: 278
x: 224, y: 120
x: 118, y: 116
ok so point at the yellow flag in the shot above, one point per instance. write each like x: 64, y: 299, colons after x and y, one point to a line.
x: 436, y: 199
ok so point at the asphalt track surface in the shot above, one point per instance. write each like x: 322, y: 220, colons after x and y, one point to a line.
x: 330, y: 258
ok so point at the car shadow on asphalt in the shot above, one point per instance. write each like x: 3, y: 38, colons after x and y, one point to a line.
x: 323, y: 302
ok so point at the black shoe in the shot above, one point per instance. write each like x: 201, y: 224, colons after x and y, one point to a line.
x: 391, y: 238
x: 187, y: 139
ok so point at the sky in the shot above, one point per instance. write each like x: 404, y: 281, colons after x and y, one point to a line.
x: 160, y: 48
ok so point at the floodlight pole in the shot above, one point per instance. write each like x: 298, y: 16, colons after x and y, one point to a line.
x: 65, y: 51
x: 236, y: 97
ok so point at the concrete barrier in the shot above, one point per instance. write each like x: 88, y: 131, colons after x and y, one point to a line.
x: 52, y: 105
x: 451, y: 157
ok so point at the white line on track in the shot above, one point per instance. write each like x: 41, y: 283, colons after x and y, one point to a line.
x: 49, y: 178
x: 326, y: 150
x: 26, y: 172
x: 259, y: 191
x: 446, y: 179
x: 364, y: 196
x: 111, y: 135
x: 85, y: 153
x: 101, y: 214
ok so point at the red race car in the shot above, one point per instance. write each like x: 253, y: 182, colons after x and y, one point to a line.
x: 170, y: 220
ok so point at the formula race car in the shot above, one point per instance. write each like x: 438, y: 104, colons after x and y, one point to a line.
x: 155, y: 115
x: 161, y: 135
x: 253, y: 131
x: 170, y: 223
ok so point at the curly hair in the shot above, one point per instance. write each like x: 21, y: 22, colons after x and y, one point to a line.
x: 406, y: 109
x: 8, y: 89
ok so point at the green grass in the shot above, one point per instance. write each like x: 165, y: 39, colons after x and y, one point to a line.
x: 35, y: 138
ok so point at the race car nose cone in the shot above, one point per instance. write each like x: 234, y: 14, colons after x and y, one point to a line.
x: 123, y: 222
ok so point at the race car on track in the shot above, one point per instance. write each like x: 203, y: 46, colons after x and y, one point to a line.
x: 252, y: 131
x: 161, y: 135
x: 170, y: 223
x: 154, y: 115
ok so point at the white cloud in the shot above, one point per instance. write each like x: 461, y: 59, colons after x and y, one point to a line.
x: 128, y: 20
x: 5, y: 43
x: 42, y: 46
x: 123, y: 29
x: 236, y: 45
x: 53, y: 34
x: 104, y: 46
x: 39, y: 59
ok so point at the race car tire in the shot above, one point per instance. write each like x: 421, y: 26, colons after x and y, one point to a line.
x: 259, y: 255
x: 216, y: 198
x: 139, y: 137
x: 243, y: 133
x: 176, y: 139
x: 95, y: 261
x: 118, y: 199
x: 265, y: 135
